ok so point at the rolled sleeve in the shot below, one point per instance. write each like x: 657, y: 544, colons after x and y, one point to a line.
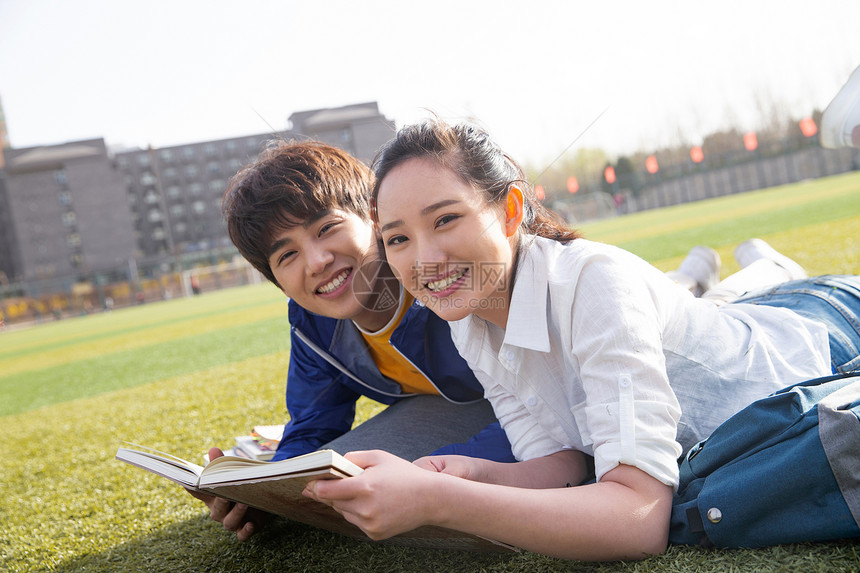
x: 630, y: 413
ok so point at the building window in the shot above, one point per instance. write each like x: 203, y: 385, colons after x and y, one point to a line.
x: 231, y: 146
x: 210, y: 149
x: 143, y: 160
x: 64, y: 198
x: 217, y: 186
x: 69, y: 218
x: 177, y: 210
x: 151, y: 197
x: 147, y: 178
x: 188, y: 152
x: 77, y: 260
x: 180, y: 228
x: 157, y: 234
x: 191, y: 171
x: 154, y: 216
x: 166, y: 155
x: 199, y: 207
x: 60, y: 176
x: 213, y: 167
x: 170, y: 172
x: 174, y: 191
x: 195, y: 188
x: 73, y: 240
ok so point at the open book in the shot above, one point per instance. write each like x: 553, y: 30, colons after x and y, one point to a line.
x: 276, y: 487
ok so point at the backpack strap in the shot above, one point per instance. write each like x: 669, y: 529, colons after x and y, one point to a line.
x: 839, y: 431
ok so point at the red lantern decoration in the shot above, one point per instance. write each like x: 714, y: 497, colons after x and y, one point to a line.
x: 572, y: 184
x: 651, y: 164
x: 808, y: 127
x: 697, y: 154
x: 609, y: 174
x: 750, y: 141
x: 540, y: 193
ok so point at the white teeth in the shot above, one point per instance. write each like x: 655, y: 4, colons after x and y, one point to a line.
x: 333, y: 285
x: 442, y: 284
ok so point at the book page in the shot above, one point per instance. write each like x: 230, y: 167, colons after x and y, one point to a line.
x: 234, y: 469
x: 175, y: 469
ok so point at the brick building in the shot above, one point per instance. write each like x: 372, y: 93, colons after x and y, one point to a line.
x: 76, y: 212
x: 64, y: 213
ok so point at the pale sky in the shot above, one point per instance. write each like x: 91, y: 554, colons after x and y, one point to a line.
x: 536, y: 73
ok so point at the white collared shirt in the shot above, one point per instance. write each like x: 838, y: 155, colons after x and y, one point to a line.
x: 605, y: 354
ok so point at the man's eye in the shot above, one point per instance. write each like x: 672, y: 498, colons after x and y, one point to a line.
x: 286, y: 256
x: 325, y: 228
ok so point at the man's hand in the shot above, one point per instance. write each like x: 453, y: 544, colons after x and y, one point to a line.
x: 237, y: 517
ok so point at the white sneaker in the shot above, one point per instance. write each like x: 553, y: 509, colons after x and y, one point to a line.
x: 754, y: 249
x: 702, y: 264
x: 840, y: 122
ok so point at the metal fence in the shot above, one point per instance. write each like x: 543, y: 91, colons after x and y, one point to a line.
x: 689, y: 182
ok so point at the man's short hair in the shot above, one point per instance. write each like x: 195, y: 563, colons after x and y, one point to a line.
x: 291, y: 183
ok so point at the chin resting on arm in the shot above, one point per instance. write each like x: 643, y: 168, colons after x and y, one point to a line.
x: 624, y: 516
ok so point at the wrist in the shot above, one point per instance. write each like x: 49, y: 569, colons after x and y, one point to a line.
x: 435, y: 498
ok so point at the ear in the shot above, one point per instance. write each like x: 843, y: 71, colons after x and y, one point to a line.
x: 513, y: 210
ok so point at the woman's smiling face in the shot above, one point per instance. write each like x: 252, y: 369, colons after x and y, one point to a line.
x: 446, y: 244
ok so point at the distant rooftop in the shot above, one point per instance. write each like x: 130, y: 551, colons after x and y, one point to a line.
x: 47, y: 155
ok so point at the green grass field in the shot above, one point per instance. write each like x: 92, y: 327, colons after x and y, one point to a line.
x: 187, y: 374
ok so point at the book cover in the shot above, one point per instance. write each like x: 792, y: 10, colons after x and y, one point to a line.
x: 276, y: 487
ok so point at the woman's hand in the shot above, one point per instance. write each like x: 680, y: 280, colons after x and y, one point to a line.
x: 390, y: 497
x: 474, y: 469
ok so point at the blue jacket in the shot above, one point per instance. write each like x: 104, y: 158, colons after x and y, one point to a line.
x: 330, y: 367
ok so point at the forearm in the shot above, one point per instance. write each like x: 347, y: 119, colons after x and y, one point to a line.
x: 561, y: 469
x: 603, y: 521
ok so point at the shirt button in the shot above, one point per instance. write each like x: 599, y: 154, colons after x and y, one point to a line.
x: 509, y: 354
x: 531, y: 401
x: 624, y: 382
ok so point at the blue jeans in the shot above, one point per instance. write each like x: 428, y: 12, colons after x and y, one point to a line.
x: 831, y: 299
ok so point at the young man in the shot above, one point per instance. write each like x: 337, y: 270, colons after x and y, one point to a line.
x: 300, y: 215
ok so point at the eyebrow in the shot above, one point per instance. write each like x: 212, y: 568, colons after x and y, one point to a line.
x: 425, y: 211
x: 280, y: 243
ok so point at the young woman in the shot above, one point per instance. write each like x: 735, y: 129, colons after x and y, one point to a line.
x: 582, y: 348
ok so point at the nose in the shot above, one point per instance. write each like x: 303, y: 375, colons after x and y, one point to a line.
x: 432, y: 259
x: 318, y: 258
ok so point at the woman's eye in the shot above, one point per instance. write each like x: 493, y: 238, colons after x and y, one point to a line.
x: 445, y: 219
x: 395, y: 240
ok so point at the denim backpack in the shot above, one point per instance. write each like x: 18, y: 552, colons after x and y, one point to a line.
x: 784, y: 469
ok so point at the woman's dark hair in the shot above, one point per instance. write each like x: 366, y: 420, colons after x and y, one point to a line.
x: 289, y: 184
x: 469, y: 152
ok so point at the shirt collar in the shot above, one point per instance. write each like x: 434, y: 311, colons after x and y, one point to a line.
x: 527, y: 319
